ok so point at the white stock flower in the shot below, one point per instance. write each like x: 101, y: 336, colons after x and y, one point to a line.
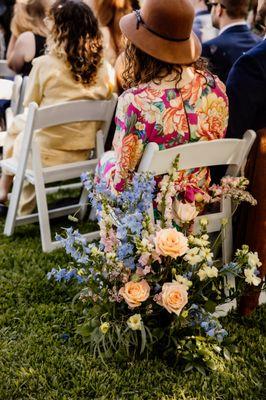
x: 193, y: 257
x: 251, y: 278
x: 184, y: 281
x: 206, y: 254
x: 253, y: 260
x: 207, y: 272
x: 204, y: 222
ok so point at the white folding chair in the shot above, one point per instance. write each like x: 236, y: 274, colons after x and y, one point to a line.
x: 18, y: 90
x: 12, y: 111
x: 41, y: 118
x: 5, y: 71
x: 230, y: 152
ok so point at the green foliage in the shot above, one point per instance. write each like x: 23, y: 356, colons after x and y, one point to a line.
x: 42, y: 357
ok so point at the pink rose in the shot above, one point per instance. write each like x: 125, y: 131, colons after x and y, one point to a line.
x: 134, y: 293
x: 174, y: 297
x: 169, y: 242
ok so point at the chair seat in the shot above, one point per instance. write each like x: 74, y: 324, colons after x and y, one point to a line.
x: 60, y: 172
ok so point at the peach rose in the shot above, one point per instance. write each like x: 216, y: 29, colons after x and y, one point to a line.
x: 169, y: 242
x: 134, y: 293
x: 184, y: 212
x: 174, y: 297
x: 212, y: 117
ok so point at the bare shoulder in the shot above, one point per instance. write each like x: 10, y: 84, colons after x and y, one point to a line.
x: 26, y: 38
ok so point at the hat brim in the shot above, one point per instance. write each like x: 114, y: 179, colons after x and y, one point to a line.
x: 185, y: 52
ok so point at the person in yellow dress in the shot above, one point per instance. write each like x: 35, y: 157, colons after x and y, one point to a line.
x: 72, y: 69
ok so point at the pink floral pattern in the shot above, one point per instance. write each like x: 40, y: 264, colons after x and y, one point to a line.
x: 168, y: 115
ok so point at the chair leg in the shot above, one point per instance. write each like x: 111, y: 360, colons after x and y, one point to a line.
x: 83, y: 203
x: 13, y: 206
x: 41, y: 199
x: 227, y: 241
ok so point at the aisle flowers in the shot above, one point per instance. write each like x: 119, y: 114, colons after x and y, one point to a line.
x: 152, y: 287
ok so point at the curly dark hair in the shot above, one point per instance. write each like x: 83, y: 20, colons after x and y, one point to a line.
x: 140, y: 68
x: 76, y: 35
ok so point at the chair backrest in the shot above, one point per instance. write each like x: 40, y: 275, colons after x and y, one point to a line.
x: 23, y: 88
x: 230, y: 152
x: 64, y: 113
x: 5, y: 71
x: 75, y: 111
x: 16, y: 94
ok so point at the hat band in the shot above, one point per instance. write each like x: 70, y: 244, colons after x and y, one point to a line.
x: 165, y: 37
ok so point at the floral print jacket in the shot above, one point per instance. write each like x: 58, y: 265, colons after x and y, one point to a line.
x: 169, y: 114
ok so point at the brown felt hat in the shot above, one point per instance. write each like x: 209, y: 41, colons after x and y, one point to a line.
x: 163, y: 29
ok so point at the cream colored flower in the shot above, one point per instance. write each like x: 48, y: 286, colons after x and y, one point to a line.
x: 135, y: 322
x: 207, y: 272
x: 134, y: 293
x: 184, y: 281
x: 104, y: 328
x: 253, y: 260
x: 204, y: 222
x: 206, y: 254
x: 193, y: 257
x: 169, y: 242
x: 174, y: 297
x: 251, y: 278
x: 184, y: 212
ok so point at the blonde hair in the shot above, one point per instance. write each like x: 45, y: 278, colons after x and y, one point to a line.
x: 28, y: 16
x: 109, y: 13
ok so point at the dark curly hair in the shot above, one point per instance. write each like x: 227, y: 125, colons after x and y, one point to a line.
x: 140, y: 68
x: 75, y: 35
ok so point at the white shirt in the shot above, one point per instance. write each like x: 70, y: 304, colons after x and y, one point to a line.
x: 231, y: 25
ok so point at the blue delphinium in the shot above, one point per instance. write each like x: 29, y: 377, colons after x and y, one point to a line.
x: 207, y: 322
x: 65, y: 275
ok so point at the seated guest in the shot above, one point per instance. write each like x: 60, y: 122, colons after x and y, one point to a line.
x: 246, y: 87
x: 202, y: 25
x: 73, y: 69
x: 171, y: 98
x: 235, y: 37
x: 28, y: 34
x: 109, y: 13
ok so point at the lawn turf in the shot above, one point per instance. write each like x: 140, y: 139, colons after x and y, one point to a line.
x: 42, y: 359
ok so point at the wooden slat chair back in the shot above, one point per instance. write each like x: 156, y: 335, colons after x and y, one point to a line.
x: 41, y: 118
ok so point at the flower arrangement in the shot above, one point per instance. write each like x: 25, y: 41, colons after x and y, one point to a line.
x: 152, y: 287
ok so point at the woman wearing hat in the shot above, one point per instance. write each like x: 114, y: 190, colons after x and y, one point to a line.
x: 171, y: 98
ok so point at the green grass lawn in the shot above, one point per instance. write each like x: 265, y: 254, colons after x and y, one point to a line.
x: 38, y: 362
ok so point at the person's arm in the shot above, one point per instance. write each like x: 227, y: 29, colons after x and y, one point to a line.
x: 11, y: 45
x: 128, y: 142
x: 244, y: 90
x: 21, y: 51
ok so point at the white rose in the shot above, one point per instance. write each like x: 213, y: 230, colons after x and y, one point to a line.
x: 184, y: 212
